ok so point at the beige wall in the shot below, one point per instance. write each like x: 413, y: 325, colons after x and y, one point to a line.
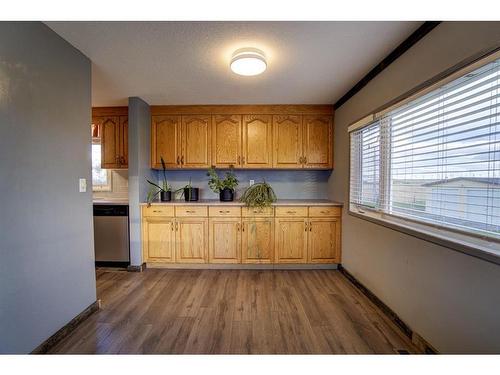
x: 451, y: 299
x: 119, y: 186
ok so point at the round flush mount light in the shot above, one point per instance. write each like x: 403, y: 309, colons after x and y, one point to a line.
x: 248, y: 62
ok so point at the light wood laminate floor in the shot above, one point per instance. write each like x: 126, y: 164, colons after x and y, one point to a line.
x: 233, y: 311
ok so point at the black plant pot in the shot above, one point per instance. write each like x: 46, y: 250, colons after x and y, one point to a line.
x: 226, y: 195
x: 165, y: 196
x: 191, y: 194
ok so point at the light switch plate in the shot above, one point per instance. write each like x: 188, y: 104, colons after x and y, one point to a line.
x: 83, y: 185
x: 252, y: 182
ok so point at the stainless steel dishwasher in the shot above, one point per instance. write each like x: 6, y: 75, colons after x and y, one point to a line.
x: 111, y: 235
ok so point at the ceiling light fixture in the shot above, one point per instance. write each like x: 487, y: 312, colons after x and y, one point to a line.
x: 248, y: 62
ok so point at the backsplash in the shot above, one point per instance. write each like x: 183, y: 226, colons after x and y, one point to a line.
x: 119, y: 185
x: 303, y: 184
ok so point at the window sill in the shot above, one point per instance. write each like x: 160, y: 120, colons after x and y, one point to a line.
x: 473, y: 246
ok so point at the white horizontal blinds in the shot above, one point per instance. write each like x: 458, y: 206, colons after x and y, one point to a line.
x: 365, y: 166
x: 445, y: 154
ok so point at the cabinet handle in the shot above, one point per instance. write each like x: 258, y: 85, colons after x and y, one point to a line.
x: 310, y: 227
x: 182, y: 159
x: 224, y: 212
x: 242, y: 228
x: 239, y: 160
x: 290, y: 212
x: 305, y: 230
x: 242, y: 160
x: 305, y: 159
x: 238, y: 227
x: 325, y: 212
x: 176, y: 226
x: 156, y: 211
x: 172, y: 226
x: 301, y: 160
x: 178, y: 160
x: 190, y: 211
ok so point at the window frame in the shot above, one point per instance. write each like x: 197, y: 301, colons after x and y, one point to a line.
x: 109, y: 186
x: 474, y: 244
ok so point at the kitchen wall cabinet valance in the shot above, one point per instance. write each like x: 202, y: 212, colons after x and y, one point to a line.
x: 113, y: 129
x: 242, y: 136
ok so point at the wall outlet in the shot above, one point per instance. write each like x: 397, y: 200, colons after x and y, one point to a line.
x: 83, y: 185
x: 252, y: 182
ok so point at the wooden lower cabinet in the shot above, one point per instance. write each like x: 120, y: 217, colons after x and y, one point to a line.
x: 291, y: 240
x: 225, y: 240
x: 158, y: 238
x: 191, y: 240
x: 324, y: 240
x: 219, y: 235
x: 257, y: 243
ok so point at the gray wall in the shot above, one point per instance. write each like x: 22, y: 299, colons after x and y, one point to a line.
x: 139, y: 124
x: 46, y: 237
x: 286, y: 184
x: 449, y: 298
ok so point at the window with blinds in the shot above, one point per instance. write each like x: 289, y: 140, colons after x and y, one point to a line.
x: 436, y: 158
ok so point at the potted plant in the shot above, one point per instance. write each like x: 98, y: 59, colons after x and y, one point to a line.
x: 260, y: 194
x: 225, y: 187
x: 165, y: 190
x: 190, y: 193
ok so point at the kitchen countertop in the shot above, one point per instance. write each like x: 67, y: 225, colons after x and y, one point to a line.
x: 279, y: 202
x: 110, y: 202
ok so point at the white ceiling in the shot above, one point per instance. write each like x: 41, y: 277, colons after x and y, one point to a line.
x: 188, y: 62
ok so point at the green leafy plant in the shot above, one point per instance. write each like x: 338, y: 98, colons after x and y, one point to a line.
x: 155, y: 188
x: 260, y: 194
x: 182, y: 190
x: 217, y: 184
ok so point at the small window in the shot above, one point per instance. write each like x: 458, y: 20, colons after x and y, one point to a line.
x: 101, y: 178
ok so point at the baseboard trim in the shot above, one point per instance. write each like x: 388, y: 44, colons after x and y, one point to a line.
x: 48, y: 344
x: 244, y: 266
x: 140, y: 268
x: 416, y: 339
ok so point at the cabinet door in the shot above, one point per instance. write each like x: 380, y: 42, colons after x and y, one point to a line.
x: 110, y: 142
x: 196, y: 141
x: 191, y: 240
x: 287, y: 141
x: 257, y: 240
x: 291, y: 240
x: 158, y: 239
x: 318, y: 142
x: 324, y: 241
x: 225, y: 240
x: 257, y: 142
x: 123, y: 141
x: 226, y: 141
x: 165, y: 141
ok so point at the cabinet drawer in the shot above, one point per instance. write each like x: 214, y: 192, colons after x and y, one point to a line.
x: 158, y: 211
x: 189, y: 211
x: 257, y: 212
x: 291, y: 211
x: 217, y: 211
x: 325, y: 211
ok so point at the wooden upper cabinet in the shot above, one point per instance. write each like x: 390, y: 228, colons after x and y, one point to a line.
x: 287, y: 141
x: 242, y: 136
x: 257, y: 150
x: 195, y: 141
x: 226, y: 141
x: 114, y: 141
x: 124, y: 140
x: 317, y: 142
x: 165, y: 141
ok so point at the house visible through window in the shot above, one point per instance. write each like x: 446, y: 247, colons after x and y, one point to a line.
x: 436, y: 158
